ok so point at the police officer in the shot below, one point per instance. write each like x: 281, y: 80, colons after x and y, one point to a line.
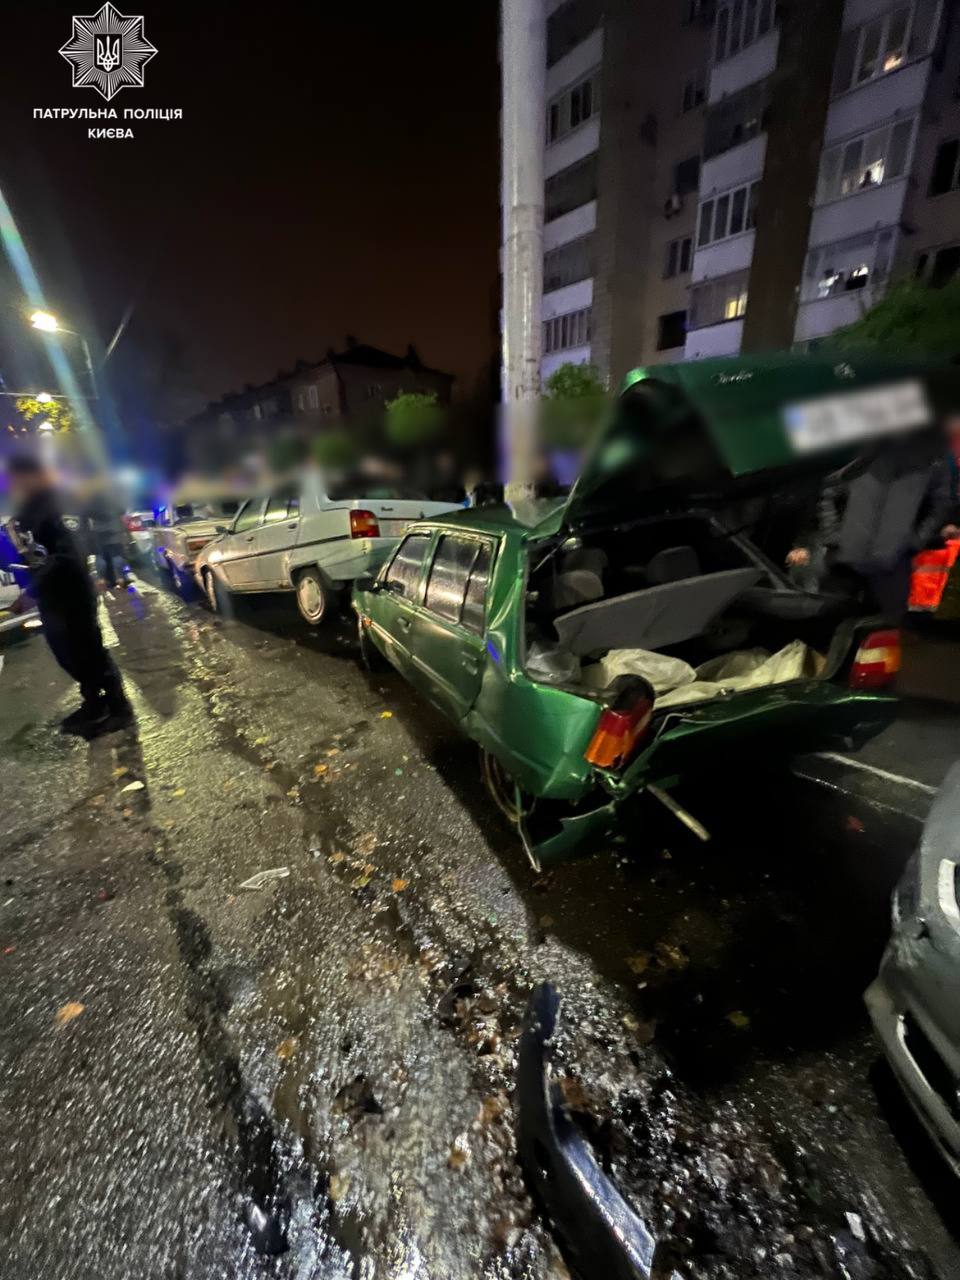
x: 61, y: 586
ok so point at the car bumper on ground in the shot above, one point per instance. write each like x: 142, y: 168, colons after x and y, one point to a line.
x: 904, y: 1003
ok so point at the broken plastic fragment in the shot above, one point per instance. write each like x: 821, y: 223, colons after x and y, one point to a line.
x: 263, y: 878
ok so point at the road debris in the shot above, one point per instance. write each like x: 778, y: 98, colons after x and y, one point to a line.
x: 67, y: 1012
x: 263, y: 878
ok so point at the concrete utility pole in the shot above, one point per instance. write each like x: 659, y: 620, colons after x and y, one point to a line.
x: 524, y: 60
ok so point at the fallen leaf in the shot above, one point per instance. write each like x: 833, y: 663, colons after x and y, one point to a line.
x: 338, y: 857
x: 168, y: 824
x: 854, y: 824
x: 671, y: 957
x: 132, y: 786
x: 294, y: 793
x: 459, y: 1153
x: 320, y: 769
x: 126, y: 813
x: 491, y: 1108
x: 287, y: 1048
x: 97, y: 800
x: 332, y: 751
x: 640, y: 962
x: 67, y: 1012
x: 366, y: 843
x: 260, y: 742
x: 120, y: 771
x: 271, y: 764
x: 386, y: 715
x: 398, y: 885
x: 738, y: 1019
x: 180, y: 791
x: 338, y: 1186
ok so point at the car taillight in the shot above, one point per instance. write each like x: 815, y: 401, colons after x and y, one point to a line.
x: 877, y: 660
x: 363, y: 524
x: 195, y: 544
x: 620, y: 728
x: 133, y: 524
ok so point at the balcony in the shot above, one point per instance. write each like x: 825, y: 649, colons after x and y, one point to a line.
x: 874, y: 207
x: 734, y: 167
x: 571, y: 226
x: 898, y: 93
x: 715, y: 340
x: 579, y: 144
x: 575, y: 64
x: 755, y: 62
x: 572, y: 297
x: 723, y: 257
x: 821, y: 316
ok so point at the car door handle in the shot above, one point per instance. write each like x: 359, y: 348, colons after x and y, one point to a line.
x: 250, y: 537
x: 404, y: 622
x: 293, y: 525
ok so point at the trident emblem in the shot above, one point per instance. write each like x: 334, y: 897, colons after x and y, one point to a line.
x: 108, y: 53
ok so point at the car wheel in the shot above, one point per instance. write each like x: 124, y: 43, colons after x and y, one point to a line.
x: 370, y: 655
x: 513, y: 803
x: 314, y: 598
x: 214, y: 590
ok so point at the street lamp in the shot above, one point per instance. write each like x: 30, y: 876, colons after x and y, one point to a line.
x: 46, y: 322
x: 46, y: 425
x: 44, y: 398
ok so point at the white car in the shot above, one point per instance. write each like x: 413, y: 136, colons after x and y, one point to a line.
x: 10, y: 621
x: 183, y: 529
x: 308, y: 540
x: 140, y: 526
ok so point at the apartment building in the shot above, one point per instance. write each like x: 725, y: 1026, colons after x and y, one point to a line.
x: 740, y: 175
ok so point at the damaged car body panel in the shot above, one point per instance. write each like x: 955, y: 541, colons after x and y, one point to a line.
x: 510, y: 613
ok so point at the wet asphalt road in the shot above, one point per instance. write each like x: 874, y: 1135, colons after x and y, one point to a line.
x: 199, y: 1080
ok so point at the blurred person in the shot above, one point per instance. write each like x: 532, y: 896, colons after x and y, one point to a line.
x: 105, y: 523
x: 63, y: 591
x: 873, y: 516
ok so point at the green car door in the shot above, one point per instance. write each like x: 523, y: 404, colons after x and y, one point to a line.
x: 395, y: 604
x: 447, y: 647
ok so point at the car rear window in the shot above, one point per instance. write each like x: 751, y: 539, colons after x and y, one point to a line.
x: 404, y: 572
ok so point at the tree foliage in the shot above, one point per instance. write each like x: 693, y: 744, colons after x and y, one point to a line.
x: 913, y: 317
x: 413, y: 418
x: 57, y: 412
x: 574, y: 405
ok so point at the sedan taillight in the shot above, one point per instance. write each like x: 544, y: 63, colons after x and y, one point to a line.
x: 877, y: 660
x: 621, y: 727
x: 133, y: 524
x: 364, y: 524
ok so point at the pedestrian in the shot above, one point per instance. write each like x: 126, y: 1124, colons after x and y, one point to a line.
x: 104, y: 521
x: 61, y: 586
x: 874, y: 516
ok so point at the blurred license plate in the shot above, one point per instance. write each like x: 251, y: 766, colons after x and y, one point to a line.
x: 856, y: 415
x: 393, y: 528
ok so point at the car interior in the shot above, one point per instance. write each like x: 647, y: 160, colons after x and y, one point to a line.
x: 675, y: 585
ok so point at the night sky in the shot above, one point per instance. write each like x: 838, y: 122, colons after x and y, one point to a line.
x: 335, y: 172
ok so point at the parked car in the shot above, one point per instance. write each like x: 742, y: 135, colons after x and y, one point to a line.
x: 309, y: 539
x: 913, y: 1002
x: 606, y: 644
x: 183, y: 528
x: 13, y: 581
x: 139, y: 526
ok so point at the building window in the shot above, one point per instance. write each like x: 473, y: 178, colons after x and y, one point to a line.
x: 694, y: 92
x: 569, y: 25
x: 573, y: 107
x: 717, y: 300
x: 679, y: 253
x: 671, y: 330
x: 570, y: 188
x: 739, y: 23
x: 847, y: 265
x: 865, y: 162
x: 729, y: 214
x: 736, y: 119
x: 946, y: 168
x: 883, y: 44
x: 568, y: 264
x: 257, y: 412
x: 563, y: 333
x: 686, y: 176
x: 938, y: 267
x: 314, y: 401
x: 374, y: 391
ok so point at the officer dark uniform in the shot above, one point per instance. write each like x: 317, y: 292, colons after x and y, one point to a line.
x: 61, y: 586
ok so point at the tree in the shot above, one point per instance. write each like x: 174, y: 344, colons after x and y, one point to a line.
x: 913, y: 317
x: 57, y: 412
x: 574, y: 405
x: 414, y: 418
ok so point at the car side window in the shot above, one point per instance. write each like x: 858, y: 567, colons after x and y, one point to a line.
x: 449, y: 574
x: 404, y: 571
x: 282, y: 505
x: 248, y: 517
x: 475, y: 601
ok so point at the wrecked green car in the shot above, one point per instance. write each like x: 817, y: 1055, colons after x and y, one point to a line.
x: 624, y: 638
